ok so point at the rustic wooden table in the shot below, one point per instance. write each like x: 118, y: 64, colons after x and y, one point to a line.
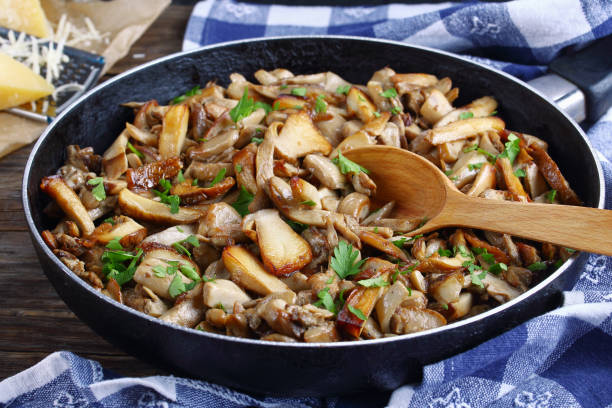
x: 34, y: 321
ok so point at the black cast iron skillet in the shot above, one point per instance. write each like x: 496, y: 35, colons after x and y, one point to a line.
x: 281, y: 368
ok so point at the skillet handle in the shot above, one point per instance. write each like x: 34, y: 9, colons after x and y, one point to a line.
x: 583, y: 76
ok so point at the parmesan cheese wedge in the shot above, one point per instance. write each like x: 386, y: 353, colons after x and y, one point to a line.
x: 25, y: 15
x: 19, y: 84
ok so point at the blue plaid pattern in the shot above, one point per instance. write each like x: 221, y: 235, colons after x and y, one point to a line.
x: 561, y: 359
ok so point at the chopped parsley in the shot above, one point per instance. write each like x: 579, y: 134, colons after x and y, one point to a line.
x: 284, y: 86
x: 444, y: 306
x: 177, y: 286
x: 114, y: 264
x: 399, y: 242
x: 181, y: 249
x: 537, y: 266
x: 520, y: 173
x: 298, y: 91
x: 512, y: 148
x: 498, y: 267
x: 389, y: 93
x: 470, y: 148
x: 357, y: 313
x: 493, y: 113
x: 343, y: 260
x: 180, y: 178
x: 193, y: 91
x: 396, y: 110
x: 445, y: 252
x: 135, y: 151
x: 239, y: 168
x: 110, y: 220
x: 475, y: 166
x: 220, y: 175
x: 377, y: 114
x: 242, y: 202
x: 262, y: 105
x: 194, y: 182
x: 377, y: 282
x: 466, y: 115
x: 296, y: 226
x: 550, y: 196
x: 325, y: 300
x: 172, y: 200
x: 320, y: 104
x: 486, y: 256
x: 244, y: 108
x: 98, y: 191
x: 343, y: 89
x: 257, y: 140
x: 347, y: 166
x: 309, y: 203
x: 115, y: 244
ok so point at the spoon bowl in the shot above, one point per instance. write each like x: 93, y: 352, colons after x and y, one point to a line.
x: 421, y: 191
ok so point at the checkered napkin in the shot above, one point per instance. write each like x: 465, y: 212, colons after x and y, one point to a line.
x: 561, y: 359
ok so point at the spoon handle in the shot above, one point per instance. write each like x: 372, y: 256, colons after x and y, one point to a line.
x: 582, y: 228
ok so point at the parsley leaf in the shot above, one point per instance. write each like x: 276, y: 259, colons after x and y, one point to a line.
x: 242, y: 202
x: 180, y: 178
x: 262, y: 105
x: 244, y: 107
x: 284, y: 86
x: 135, y: 151
x: 475, y: 166
x: 343, y: 89
x: 177, y: 286
x: 257, y: 140
x: 193, y: 91
x: 194, y: 182
x: 220, y: 175
x: 239, y: 168
x: 396, y: 110
x: 357, y: 313
x: 389, y: 93
x: 190, y: 272
x: 113, y: 265
x: 309, y: 203
x: 343, y: 261
x: 320, y: 104
x: 159, y: 271
x: 445, y: 252
x: 493, y: 113
x: 537, y: 266
x: 550, y: 196
x: 325, y: 300
x: 298, y: 91
x: 115, y: 244
x: 180, y: 248
x: 512, y: 148
x: 399, y: 242
x: 296, y: 226
x: 174, y: 201
x: 470, y: 148
x: 520, y: 173
x: 347, y: 166
x: 477, y: 278
x: 498, y: 267
x: 110, y: 220
x: 377, y: 282
x: 466, y: 115
x: 377, y: 114
x: 98, y: 191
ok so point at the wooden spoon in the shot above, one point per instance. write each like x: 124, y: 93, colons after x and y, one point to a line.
x: 420, y: 190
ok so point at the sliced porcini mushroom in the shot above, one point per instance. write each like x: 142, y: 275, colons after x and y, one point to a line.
x: 411, y: 320
x: 300, y: 137
x: 534, y: 181
x: 171, y: 235
x: 331, y: 128
x: 322, y: 334
x: 68, y: 201
x: 159, y: 255
x: 207, y: 171
x: 129, y: 232
x: 114, y: 160
x: 478, y: 108
x: 435, y: 106
x: 145, y: 209
x: 474, y: 241
x: 528, y: 253
x: 284, y: 169
x: 282, y: 250
x: 192, y: 195
x: 499, y: 289
x: 484, y: 180
x: 215, y: 145
x: 390, y: 135
x: 264, y: 161
x: 463, y: 129
x: 305, y: 193
x: 358, y: 103
x: 325, y: 171
x: 461, y: 307
x: 356, y: 205
x: 287, y: 102
x: 519, y: 277
x: 329, y: 199
x: 246, y: 271
x: 223, y: 292
x: 396, y: 225
x: 418, y: 281
x: 463, y: 171
x: 186, y: 313
x: 362, y: 183
x: 553, y: 176
x: 389, y: 302
x: 513, y: 183
x: 221, y: 223
x: 416, y: 299
x: 414, y: 80
x: 511, y: 249
x: 449, y: 152
x: 141, y: 135
x: 148, y: 176
x: 363, y: 300
x: 358, y: 139
x: 142, y: 116
x: 446, y: 288
x: 174, y: 131
x: 244, y: 168
x: 134, y: 161
x: 379, y: 213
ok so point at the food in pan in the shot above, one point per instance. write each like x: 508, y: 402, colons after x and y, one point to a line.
x: 235, y: 211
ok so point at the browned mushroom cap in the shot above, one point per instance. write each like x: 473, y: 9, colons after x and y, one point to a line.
x: 68, y: 201
x: 149, y: 175
x: 246, y: 270
x: 145, y: 209
x: 300, y: 137
x: 358, y: 103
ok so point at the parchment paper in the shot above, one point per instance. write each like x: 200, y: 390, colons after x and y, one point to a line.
x: 125, y: 20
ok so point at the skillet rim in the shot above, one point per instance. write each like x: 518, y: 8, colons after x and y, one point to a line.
x: 37, y: 238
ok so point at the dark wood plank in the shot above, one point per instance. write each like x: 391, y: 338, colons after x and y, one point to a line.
x: 34, y: 321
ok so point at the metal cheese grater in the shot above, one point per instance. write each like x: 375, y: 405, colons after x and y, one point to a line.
x: 82, y: 67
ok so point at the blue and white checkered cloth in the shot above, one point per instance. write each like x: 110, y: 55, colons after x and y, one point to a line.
x: 561, y: 359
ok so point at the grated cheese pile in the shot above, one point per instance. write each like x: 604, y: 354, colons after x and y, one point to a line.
x: 37, y: 53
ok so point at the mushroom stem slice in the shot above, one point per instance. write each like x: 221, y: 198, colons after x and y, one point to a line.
x: 246, y: 271
x: 463, y: 129
x: 145, y: 209
x: 174, y: 131
x: 69, y: 202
